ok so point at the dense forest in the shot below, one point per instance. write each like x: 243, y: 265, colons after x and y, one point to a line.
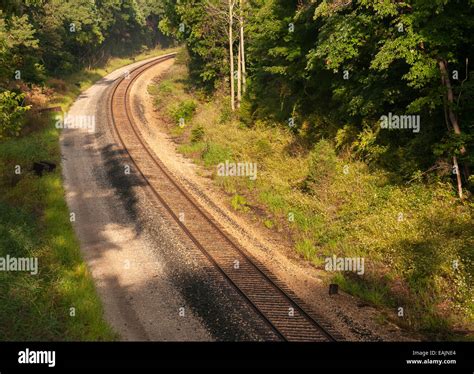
x: 336, y: 67
x: 383, y: 86
x: 41, y: 39
x: 328, y: 69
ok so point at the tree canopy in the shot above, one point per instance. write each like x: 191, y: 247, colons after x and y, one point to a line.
x: 334, y: 68
x: 329, y: 68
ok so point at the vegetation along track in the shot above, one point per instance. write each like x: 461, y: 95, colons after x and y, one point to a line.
x: 281, y: 310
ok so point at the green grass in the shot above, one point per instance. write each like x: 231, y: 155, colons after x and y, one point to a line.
x: 335, y: 206
x: 34, y: 222
x: 215, y: 154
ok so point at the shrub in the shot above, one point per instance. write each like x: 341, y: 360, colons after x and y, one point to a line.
x: 184, y: 110
x: 239, y: 203
x: 58, y: 84
x: 11, y: 113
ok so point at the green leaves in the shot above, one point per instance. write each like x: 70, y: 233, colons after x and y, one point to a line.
x: 21, y: 33
x: 67, y: 35
x: 202, y: 25
x: 17, y: 46
x: 340, y: 40
x: 11, y: 113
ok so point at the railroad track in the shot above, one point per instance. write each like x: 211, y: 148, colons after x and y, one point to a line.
x: 286, y: 315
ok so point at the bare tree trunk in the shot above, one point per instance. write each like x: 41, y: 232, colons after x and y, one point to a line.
x: 239, y: 77
x: 458, y: 176
x: 450, y: 96
x: 455, y: 160
x: 231, y: 53
x: 242, y: 47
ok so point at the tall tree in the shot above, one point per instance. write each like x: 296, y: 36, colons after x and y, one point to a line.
x: 242, y: 46
x: 231, y: 53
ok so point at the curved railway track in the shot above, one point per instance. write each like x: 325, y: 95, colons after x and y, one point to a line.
x: 287, y: 316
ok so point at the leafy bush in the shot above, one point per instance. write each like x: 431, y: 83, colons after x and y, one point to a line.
x: 11, y: 113
x: 239, y: 202
x: 184, y: 109
x: 165, y: 87
x: 366, y: 146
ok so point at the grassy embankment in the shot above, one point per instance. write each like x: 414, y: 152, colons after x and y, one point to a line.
x: 34, y: 222
x: 409, y: 234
